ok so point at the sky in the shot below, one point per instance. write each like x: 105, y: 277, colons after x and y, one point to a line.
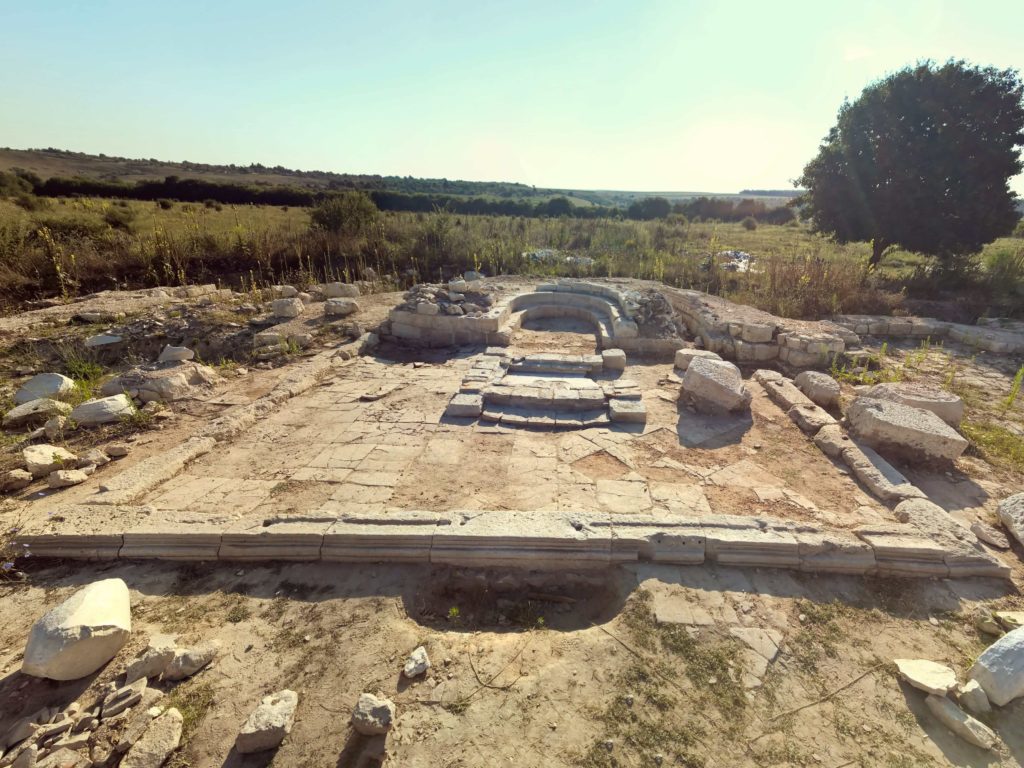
x: 625, y: 95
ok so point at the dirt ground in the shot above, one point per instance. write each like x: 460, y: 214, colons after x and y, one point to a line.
x: 545, y: 675
x: 639, y: 666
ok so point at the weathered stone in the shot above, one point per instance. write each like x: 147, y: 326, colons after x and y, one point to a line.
x: 160, y: 739
x: 986, y: 622
x: 905, y: 432
x: 65, y: 478
x: 94, y: 457
x: 123, y: 698
x: 340, y: 307
x: 54, y: 427
x: 139, y: 719
x: 285, y: 291
x: 927, y: 675
x: 715, y: 386
x: 105, y: 410
x: 973, y: 698
x: 103, y: 340
x: 34, y: 412
x: 764, y: 642
x: 1011, y: 514
x: 373, y: 716
x: 268, y: 724
x: 117, y: 450
x: 81, y: 634
x: 613, y: 360
x: 341, y: 291
x: 465, y: 406
x: 45, y: 386
x: 188, y: 661
x: 945, y: 405
x: 158, y: 655
x: 64, y: 758
x: 175, y: 354
x: 990, y: 535
x: 287, y: 307
x: 28, y: 758
x: 627, y: 411
x: 14, y: 480
x: 417, y: 664
x: 821, y: 388
x: 810, y: 418
x: 1000, y: 668
x: 685, y: 356
x: 832, y: 440
x: 427, y: 308
x: 878, y: 475
x: 42, y: 459
x: 960, y: 723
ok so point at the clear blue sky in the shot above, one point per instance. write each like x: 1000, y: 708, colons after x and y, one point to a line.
x: 562, y: 93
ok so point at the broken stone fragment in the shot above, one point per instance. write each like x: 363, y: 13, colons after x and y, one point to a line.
x: 117, y: 450
x: 52, y: 386
x: 287, y: 308
x: 684, y: 357
x: 417, y: 664
x: 373, y: 715
x: 42, y: 459
x: 990, y: 535
x: 34, y: 413
x: 986, y: 622
x: 972, y: 697
x: 188, y: 661
x: 960, y: 723
x: 175, y: 354
x: 927, y: 675
x: 269, y: 723
x: 715, y: 386
x: 157, y: 742
x: 65, y: 478
x: 341, y: 291
x: 81, y: 634
x: 1010, y: 620
x: 104, y: 410
x: 908, y: 433
x: 14, y: 480
x: 157, y: 656
x: 54, y: 427
x: 340, y: 307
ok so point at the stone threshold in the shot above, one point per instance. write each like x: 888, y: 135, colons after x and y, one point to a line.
x: 536, y: 540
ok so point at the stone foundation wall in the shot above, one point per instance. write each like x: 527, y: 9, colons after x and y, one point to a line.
x: 991, y: 339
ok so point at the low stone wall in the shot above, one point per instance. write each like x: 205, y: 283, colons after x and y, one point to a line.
x: 607, y: 309
x: 991, y: 339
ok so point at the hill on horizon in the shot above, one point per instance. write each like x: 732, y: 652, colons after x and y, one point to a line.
x: 52, y: 162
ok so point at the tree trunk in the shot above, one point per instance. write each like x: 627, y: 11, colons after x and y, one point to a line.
x: 878, y: 247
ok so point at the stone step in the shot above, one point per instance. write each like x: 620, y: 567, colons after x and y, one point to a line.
x: 545, y: 398
x: 544, y: 418
x: 580, y: 364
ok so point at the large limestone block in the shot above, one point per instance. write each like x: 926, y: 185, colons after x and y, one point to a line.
x: 34, y: 412
x: 899, y: 430
x: 341, y: 291
x: 81, y: 634
x: 945, y: 405
x: 1011, y: 514
x: 105, y: 410
x: 820, y: 387
x: 268, y: 724
x: 715, y: 386
x: 287, y: 307
x: 187, y: 661
x: 340, y: 307
x: 999, y: 670
x: 41, y: 460
x: 51, y: 386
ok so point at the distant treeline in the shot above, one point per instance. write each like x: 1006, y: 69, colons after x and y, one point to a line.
x: 200, y: 190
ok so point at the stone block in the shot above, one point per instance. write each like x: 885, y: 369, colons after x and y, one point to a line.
x: 878, y: 475
x: 684, y: 356
x: 821, y: 388
x: 945, y: 405
x: 613, y: 360
x: 465, y: 406
x: 627, y: 411
x: 715, y: 386
x: 902, y: 431
x: 810, y: 418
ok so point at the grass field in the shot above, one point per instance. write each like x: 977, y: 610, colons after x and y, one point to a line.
x: 68, y: 246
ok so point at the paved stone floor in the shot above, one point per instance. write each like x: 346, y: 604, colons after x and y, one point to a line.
x: 373, y: 441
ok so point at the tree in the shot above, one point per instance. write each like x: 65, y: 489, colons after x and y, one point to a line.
x: 922, y: 160
x: 649, y: 208
x: 350, y: 213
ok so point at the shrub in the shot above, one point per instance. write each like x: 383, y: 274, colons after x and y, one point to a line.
x: 164, y: 203
x: 119, y: 218
x: 30, y: 202
x: 749, y: 223
x: 351, y: 213
x: 71, y: 227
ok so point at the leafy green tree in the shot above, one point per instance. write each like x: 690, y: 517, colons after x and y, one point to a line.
x: 649, y: 208
x: 350, y: 213
x: 922, y: 160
